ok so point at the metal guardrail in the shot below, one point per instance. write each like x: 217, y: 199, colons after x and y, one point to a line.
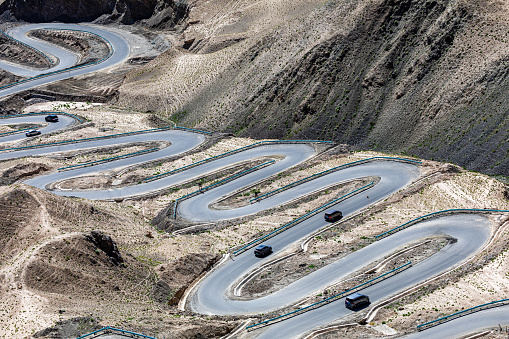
x: 334, y: 297
x: 192, y: 129
x: 65, y: 69
x: 92, y: 163
x: 302, y: 218
x: 431, y: 215
x: 222, y: 155
x: 337, y: 168
x: 222, y: 182
x: 28, y: 46
x: 17, y: 131
x: 456, y: 315
x: 87, y: 139
x: 42, y: 113
x: 107, y: 329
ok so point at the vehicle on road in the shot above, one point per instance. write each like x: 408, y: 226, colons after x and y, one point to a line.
x: 262, y: 251
x: 355, y: 300
x: 32, y: 133
x: 51, y: 118
x: 333, y: 215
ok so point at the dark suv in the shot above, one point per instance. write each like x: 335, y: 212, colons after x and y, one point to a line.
x: 333, y: 215
x: 262, y: 251
x: 355, y: 300
x: 51, y: 118
x: 32, y: 133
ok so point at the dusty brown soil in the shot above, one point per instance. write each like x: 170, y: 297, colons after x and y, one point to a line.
x: 53, y: 271
x: 176, y: 276
x: 20, y: 171
x: 356, y: 331
x: 7, y: 78
x: 17, y: 53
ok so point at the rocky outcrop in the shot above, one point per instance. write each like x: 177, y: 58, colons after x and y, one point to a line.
x: 161, y: 13
x: 106, y: 244
x: 73, y: 327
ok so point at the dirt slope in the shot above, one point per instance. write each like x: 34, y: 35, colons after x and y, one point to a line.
x: 56, y: 268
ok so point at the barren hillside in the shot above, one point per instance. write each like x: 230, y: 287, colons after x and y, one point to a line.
x: 419, y: 77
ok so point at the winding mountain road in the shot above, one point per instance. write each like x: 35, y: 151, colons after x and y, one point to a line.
x: 465, y: 325
x: 64, y: 122
x: 119, y: 54
x: 211, y: 296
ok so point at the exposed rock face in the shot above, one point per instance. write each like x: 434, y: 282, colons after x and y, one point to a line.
x: 166, y: 13
x: 7, y: 78
x: 65, y: 11
x: 106, y: 244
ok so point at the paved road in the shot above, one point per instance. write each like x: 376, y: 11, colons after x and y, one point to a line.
x: 63, y: 122
x: 64, y: 58
x: 294, y: 154
x: 471, y: 323
x: 120, y: 54
x: 471, y: 231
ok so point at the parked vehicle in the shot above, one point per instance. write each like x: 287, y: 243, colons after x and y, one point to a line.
x: 51, y: 118
x: 355, y: 300
x: 262, y: 251
x: 333, y: 215
x: 32, y: 133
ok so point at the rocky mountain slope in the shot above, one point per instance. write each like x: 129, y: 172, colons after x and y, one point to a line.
x: 159, y: 13
x: 425, y: 78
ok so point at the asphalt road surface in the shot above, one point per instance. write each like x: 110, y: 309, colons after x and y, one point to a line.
x: 63, y: 122
x: 467, y: 324
x: 211, y: 296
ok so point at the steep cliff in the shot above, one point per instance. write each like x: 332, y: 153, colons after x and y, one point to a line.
x: 168, y: 12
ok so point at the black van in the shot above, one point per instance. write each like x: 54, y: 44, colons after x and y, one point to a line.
x: 262, y: 251
x: 333, y: 215
x: 355, y: 300
x: 51, y: 118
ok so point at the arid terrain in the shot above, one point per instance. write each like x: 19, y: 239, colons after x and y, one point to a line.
x: 50, y: 241
x: 425, y: 80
